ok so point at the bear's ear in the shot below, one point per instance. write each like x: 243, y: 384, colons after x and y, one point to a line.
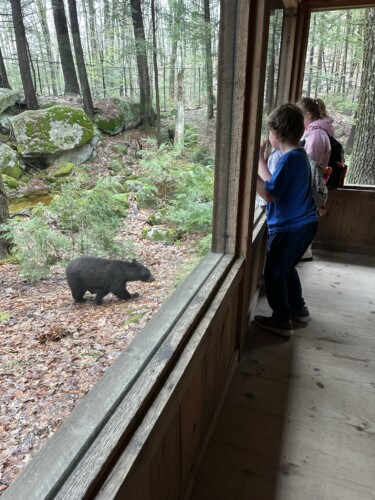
x: 134, y: 261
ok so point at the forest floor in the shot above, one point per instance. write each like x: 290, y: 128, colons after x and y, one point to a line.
x: 53, y: 351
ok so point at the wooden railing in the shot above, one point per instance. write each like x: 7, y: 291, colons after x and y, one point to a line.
x: 349, y: 225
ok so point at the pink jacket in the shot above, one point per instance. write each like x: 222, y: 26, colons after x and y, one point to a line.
x: 317, y: 143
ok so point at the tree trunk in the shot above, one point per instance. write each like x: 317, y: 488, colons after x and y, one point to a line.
x: 208, y: 52
x: 143, y: 75
x: 4, y: 216
x: 270, y: 89
x: 350, y: 142
x: 86, y: 93
x: 176, y: 11
x: 311, y: 57
x: 155, y: 59
x: 67, y: 62
x: 23, y: 56
x: 172, y: 69
x: 362, y: 167
x: 4, y: 83
x: 180, y: 116
x: 48, y: 42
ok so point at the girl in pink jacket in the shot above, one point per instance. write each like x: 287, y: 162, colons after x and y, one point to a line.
x: 316, y: 140
x: 317, y: 127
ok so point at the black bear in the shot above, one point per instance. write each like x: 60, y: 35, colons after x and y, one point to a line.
x: 102, y: 276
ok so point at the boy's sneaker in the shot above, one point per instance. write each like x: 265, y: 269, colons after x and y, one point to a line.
x: 283, y: 328
x: 301, y: 315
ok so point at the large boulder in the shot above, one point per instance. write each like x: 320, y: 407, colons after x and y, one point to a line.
x: 8, y: 98
x: 9, y: 164
x: 114, y: 114
x: 56, y: 134
x: 8, y: 108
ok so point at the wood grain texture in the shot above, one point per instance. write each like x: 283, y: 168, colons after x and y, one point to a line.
x: 299, y: 418
x: 350, y: 221
x: 183, y: 395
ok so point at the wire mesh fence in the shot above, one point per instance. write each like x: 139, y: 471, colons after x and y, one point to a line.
x: 109, y: 80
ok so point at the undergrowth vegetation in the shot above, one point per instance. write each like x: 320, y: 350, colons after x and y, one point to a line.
x: 84, y: 218
x: 79, y: 221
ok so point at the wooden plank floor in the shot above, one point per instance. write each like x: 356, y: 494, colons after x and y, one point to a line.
x: 298, y: 422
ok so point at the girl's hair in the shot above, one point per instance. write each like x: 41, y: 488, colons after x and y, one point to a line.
x: 286, y: 122
x: 316, y: 107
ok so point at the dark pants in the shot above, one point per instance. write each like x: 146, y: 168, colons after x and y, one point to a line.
x: 283, y: 286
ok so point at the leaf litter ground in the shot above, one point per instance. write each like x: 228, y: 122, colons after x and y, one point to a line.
x: 54, y: 351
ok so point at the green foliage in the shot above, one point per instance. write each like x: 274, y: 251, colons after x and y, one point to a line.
x: 186, y: 188
x: 203, y: 246
x: 191, y: 135
x: 160, y: 168
x: 191, y: 209
x: 145, y: 193
x: 341, y: 104
x: 78, y: 221
x: 37, y: 244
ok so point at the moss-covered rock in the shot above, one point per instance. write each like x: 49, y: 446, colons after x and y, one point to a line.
x: 116, y: 114
x: 9, y: 163
x: 115, y: 165
x: 155, y: 219
x: 10, y: 182
x: 51, y: 130
x: 168, y: 235
x: 123, y: 201
x: 62, y: 170
x: 8, y: 98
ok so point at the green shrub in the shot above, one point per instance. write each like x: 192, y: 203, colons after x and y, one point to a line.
x: 78, y: 222
x: 191, y: 209
x: 203, y: 246
x: 37, y: 244
x: 161, y: 168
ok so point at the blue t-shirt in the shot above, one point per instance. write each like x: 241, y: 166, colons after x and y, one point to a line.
x: 294, y: 206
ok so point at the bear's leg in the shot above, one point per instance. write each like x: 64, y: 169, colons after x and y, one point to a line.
x: 78, y: 294
x: 99, y: 298
x: 123, y: 294
x: 80, y: 300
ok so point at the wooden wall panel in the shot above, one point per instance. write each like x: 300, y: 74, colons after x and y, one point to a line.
x: 191, y: 423
x: 350, y: 222
x: 165, y: 468
x: 168, y: 443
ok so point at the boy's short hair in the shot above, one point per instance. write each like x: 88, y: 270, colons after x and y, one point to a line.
x: 286, y: 122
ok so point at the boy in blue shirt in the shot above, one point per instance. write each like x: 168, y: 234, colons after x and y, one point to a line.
x: 291, y: 219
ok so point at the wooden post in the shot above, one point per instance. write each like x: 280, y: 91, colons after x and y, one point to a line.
x: 286, y: 55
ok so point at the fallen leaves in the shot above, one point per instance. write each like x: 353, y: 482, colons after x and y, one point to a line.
x: 53, y: 351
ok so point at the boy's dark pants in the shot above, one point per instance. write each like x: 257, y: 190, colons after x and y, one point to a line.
x: 283, y: 286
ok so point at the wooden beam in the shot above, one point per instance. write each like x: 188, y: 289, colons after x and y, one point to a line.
x: 288, y: 34
x: 299, y: 52
x: 337, y: 4
x: 291, y: 4
x: 258, y: 28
